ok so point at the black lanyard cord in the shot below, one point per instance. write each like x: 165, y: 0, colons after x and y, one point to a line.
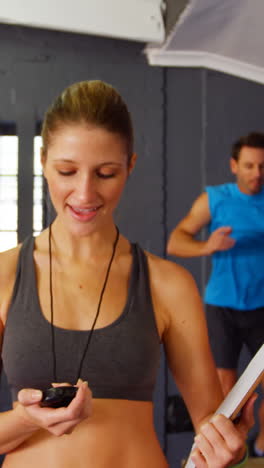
x: 90, y: 333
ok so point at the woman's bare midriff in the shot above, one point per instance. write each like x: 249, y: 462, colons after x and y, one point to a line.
x: 119, y: 434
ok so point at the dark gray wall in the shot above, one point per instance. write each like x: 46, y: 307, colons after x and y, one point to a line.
x: 185, y: 121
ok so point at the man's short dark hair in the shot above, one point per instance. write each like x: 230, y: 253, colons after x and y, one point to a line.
x: 253, y: 140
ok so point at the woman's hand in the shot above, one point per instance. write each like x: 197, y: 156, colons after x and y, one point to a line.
x: 221, y: 443
x: 57, y: 421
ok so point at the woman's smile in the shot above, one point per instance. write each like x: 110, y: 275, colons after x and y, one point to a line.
x: 83, y: 214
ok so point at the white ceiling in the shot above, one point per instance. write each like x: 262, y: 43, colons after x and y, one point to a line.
x: 225, y: 35
x: 138, y: 20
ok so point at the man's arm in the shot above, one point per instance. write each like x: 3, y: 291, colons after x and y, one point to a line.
x: 182, y: 240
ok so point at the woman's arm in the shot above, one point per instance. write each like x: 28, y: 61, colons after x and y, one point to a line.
x: 27, y: 417
x: 177, y: 301
x: 13, y: 431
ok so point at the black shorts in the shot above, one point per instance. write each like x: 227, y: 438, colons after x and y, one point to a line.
x: 229, y: 329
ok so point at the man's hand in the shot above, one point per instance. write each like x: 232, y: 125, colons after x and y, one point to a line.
x: 219, y: 240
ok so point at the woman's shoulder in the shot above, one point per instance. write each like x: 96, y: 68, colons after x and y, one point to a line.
x: 8, y: 268
x: 8, y: 262
x: 167, y: 272
x: 172, y: 287
x: 170, y: 282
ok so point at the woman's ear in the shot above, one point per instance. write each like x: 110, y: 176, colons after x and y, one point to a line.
x: 43, y: 158
x: 132, y: 163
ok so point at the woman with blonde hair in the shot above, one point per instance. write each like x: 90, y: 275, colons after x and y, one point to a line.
x: 83, y: 312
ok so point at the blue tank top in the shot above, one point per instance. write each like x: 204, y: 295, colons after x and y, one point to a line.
x: 237, y: 276
x: 123, y: 357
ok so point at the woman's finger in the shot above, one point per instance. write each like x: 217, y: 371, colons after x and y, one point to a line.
x: 61, y: 384
x: 29, y: 396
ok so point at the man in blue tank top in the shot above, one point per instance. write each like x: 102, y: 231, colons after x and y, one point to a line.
x: 234, y: 295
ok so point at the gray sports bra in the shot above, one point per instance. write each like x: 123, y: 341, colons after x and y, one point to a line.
x: 123, y: 357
